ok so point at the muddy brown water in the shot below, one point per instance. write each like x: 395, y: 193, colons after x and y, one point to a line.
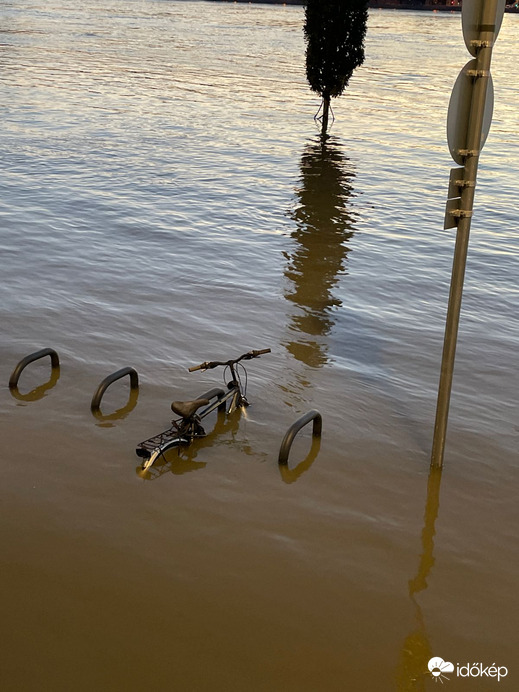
x: 164, y: 200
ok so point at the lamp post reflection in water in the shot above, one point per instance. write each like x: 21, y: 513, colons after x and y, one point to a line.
x: 416, y: 650
x: 324, y: 224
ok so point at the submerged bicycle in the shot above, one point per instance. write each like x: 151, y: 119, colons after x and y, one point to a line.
x: 188, y: 426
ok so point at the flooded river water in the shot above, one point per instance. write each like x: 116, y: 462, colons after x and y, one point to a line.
x: 165, y: 200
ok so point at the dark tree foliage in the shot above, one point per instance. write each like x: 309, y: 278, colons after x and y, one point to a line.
x: 334, y: 33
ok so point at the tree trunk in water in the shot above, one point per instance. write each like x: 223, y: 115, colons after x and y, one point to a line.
x: 326, y: 111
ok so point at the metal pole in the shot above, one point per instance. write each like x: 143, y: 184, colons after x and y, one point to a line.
x: 484, y: 56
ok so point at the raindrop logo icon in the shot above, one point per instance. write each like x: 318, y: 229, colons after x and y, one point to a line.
x: 438, y: 667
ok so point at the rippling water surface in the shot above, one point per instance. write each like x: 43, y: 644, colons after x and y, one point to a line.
x: 164, y: 200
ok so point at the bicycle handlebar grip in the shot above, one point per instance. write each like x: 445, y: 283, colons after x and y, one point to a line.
x: 262, y: 351
x: 197, y: 367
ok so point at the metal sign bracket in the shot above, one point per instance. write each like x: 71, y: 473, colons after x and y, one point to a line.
x: 478, y: 73
x: 480, y: 44
x: 461, y: 213
x: 468, y: 152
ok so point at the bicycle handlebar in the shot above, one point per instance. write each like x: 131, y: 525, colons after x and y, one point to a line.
x: 208, y: 365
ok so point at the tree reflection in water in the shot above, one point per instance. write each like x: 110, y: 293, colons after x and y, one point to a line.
x: 324, y: 223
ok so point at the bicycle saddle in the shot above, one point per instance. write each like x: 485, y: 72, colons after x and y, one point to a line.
x: 187, y: 409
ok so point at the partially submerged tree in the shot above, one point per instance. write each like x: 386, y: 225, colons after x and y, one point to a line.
x: 334, y: 33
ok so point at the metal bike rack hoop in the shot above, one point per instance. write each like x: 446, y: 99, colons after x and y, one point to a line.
x: 98, y: 394
x: 290, y: 434
x: 15, y: 375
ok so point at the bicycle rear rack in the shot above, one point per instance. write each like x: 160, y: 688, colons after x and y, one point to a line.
x: 158, y: 444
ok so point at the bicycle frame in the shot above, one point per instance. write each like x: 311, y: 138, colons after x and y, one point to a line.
x: 234, y: 393
x: 191, y: 427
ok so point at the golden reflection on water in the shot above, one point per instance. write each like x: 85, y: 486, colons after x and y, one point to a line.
x: 416, y: 649
x: 324, y: 224
x: 105, y: 420
x: 182, y: 459
x: 291, y: 475
x: 40, y: 391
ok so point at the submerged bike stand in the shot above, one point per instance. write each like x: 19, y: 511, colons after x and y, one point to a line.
x: 15, y: 375
x: 176, y: 435
x: 55, y: 373
x: 290, y: 434
x: 103, y: 386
